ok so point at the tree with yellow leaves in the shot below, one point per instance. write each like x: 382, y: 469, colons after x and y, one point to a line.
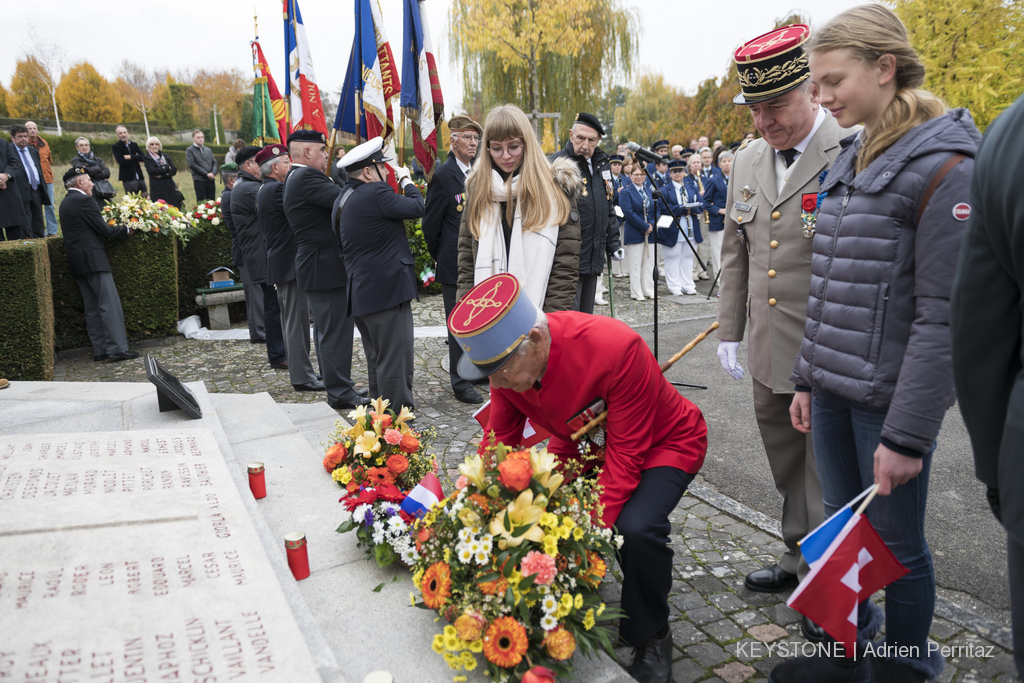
x: 84, y: 95
x: 4, y: 107
x: 137, y: 88
x: 30, y: 98
x: 217, y: 91
x: 551, y: 55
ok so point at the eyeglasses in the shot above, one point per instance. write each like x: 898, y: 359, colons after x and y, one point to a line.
x: 514, y: 150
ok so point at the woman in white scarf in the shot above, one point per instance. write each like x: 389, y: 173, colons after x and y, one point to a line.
x: 520, y: 214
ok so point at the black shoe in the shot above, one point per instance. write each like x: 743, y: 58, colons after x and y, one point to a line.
x: 823, y: 669
x: 652, y: 662
x: 885, y: 670
x: 126, y: 355
x: 257, y: 341
x: 349, y: 402
x: 100, y: 358
x: 281, y: 365
x: 773, y: 579
x: 360, y: 392
x: 812, y: 631
x: 468, y: 395
x: 309, y: 386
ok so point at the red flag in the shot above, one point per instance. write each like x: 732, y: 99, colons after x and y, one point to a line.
x: 277, y: 102
x: 856, y: 564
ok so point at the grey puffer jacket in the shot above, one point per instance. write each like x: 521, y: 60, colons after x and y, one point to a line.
x: 877, y: 329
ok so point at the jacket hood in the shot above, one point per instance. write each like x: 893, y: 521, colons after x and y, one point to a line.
x: 567, y: 176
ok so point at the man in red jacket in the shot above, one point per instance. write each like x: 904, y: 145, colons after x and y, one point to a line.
x: 550, y: 368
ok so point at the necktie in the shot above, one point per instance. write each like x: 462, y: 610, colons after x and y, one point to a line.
x: 789, y: 156
x: 30, y: 168
x: 679, y: 194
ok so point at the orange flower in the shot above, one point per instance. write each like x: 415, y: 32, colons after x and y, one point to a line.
x: 515, y: 474
x: 505, y: 642
x: 410, y: 444
x: 597, y: 569
x: 422, y: 536
x: 352, y: 486
x: 335, y: 456
x: 560, y: 644
x: 380, y: 475
x: 470, y: 626
x: 111, y: 222
x: 398, y: 463
x: 481, y: 502
x: 436, y: 585
x: 518, y: 455
x: 156, y: 229
x: 539, y: 674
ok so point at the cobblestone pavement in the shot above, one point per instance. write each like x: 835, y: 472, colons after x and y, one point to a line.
x: 722, y: 632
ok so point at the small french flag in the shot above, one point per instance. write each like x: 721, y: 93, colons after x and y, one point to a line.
x: 426, y: 494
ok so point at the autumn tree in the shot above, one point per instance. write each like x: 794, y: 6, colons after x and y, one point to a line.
x: 174, y: 102
x: 84, y: 95
x: 44, y: 65
x: 217, y: 91
x: 971, y: 51
x: 30, y: 97
x: 550, y: 55
x: 4, y: 106
x: 649, y: 111
x: 137, y: 88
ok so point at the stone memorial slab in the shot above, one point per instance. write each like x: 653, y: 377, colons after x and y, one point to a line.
x: 129, y: 556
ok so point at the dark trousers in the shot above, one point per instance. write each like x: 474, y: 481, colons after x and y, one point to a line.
x: 36, y: 226
x: 205, y: 189
x: 253, y: 306
x: 334, y: 329
x: 448, y: 292
x: 104, y: 320
x: 14, y: 232
x: 645, y: 556
x: 388, y: 345
x: 1015, y: 559
x: 586, y: 292
x: 272, y: 321
x: 131, y: 186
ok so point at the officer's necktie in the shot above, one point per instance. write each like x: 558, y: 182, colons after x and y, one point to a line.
x: 789, y: 156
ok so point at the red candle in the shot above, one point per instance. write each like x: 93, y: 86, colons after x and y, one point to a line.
x: 298, y: 559
x: 257, y: 480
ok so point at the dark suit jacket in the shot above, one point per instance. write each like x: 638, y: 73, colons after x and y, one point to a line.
x: 12, y: 206
x: 128, y: 169
x: 24, y: 187
x: 225, y: 212
x: 309, y: 197
x: 83, y: 227
x: 277, y: 234
x: 381, y: 269
x: 441, y: 219
x: 161, y: 179
x: 715, y: 191
x: 247, y: 228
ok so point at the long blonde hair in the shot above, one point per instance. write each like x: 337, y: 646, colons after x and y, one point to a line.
x: 868, y: 32
x: 541, y: 201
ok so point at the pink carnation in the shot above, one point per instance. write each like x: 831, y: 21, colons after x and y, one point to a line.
x: 462, y: 482
x: 393, y: 436
x: 540, y: 564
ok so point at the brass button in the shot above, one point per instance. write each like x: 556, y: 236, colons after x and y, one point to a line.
x: 774, y: 244
x: 776, y: 215
x: 739, y: 219
x: 772, y: 302
x: 771, y: 273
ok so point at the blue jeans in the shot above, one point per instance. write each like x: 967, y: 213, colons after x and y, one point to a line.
x: 846, y: 435
x: 51, y: 217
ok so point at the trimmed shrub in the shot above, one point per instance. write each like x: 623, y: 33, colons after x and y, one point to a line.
x: 26, y: 316
x: 205, y: 251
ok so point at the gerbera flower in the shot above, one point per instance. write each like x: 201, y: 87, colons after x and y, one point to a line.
x: 436, y: 585
x: 379, y: 475
x: 505, y: 642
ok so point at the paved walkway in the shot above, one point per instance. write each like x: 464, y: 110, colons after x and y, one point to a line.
x: 722, y: 631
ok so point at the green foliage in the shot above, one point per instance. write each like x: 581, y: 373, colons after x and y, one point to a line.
x: 26, y: 317
x: 84, y: 95
x: 144, y: 267
x: 174, y: 106
x: 29, y: 97
x: 418, y: 246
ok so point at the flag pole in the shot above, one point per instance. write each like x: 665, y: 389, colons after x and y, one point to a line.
x: 359, y: 130
x: 401, y: 137
x: 263, y: 108
x: 867, y: 500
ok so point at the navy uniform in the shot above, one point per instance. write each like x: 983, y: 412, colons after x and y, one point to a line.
x: 370, y: 217
x: 618, y: 182
x: 660, y: 147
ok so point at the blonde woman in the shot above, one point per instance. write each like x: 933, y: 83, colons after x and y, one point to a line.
x: 520, y: 214
x: 161, y: 172
x: 877, y: 346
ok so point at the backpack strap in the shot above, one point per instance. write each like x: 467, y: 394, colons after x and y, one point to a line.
x: 936, y: 181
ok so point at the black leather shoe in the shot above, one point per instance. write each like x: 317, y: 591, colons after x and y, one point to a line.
x: 126, y: 355
x: 309, y: 386
x: 468, y: 395
x: 652, y: 662
x: 349, y: 402
x: 257, y: 341
x: 812, y: 631
x: 100, y: 358
x: 360, y: 392
x: 773, y: 579
x: 823, y: 669
x: 283, y: 365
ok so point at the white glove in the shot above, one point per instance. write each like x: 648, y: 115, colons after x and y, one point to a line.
x: 402, y: 174
x: 727, y: 354
x: 618, y: 254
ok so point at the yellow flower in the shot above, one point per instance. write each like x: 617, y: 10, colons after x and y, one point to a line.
x: 476, y: 646
x: 438, y: 644
x: 342, y: 475
x: 473, y: 469
x: 543, y: 463
x: 469, y: 517
x: 548, y: 520
x: 520, y: 512
x: 379, y: 405
x: 416, y: 578
x: 451, y: 642
x: 367, y: 444
x: 566, y: 600
x: 448, y: 555
x: 468, y: 660
x: 551, y: 545
x: 412, y: 599
x: 577, y: 602
x: 404, y: 415
x: 577, y: 533
x: 588, y: 620
x: 357, y: 415
x: 600, y: 609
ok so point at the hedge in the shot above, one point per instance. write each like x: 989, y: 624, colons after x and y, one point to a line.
x: 26, y: 316
x: 144, y: 267
x: 208, y: 250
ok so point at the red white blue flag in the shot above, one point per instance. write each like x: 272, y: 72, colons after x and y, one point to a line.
x: 426, y: 494
x: 421, y: 91
x: 307, y: 111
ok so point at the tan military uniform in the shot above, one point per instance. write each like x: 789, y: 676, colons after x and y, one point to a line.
x: 766, y: 277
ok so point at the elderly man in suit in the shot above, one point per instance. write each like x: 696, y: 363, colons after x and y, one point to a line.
x: 128, y: 157
x: 766, y: 259
x: 31, y: 183
x: 309, y: 197
x: 12, y: 208
x: 445, y: 202
x: 370, y: 218
x: 84, y: 227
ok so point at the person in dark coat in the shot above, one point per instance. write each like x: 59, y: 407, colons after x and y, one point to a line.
x: 988, y: 328
x: 445, y: 203
x: 280, y: 246
x: 716, y: 189
x: 309, y: 197
x: 338, y: 175
x: 12, y: 208
x: 30, y: 183
x: 129, y: 157
x: 254, y: 254
x: 599, y: 236
x: 161, y: 172
x: 381, y: 270
x: 695, y: 190
x: 229, y: 174
x: 96, y: 168
x: 83, y: 227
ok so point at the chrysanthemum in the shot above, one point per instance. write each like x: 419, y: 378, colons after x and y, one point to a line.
x: 549, y: 603
x: 393, y: 436
x: 505, y: 642
x: 548, y: 622
x: 436, y: 585
x: 465, y: 556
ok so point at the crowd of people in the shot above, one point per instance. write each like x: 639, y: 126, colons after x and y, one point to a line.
x: 833, y: 232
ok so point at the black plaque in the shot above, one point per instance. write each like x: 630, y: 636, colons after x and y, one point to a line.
x: 171, y: 394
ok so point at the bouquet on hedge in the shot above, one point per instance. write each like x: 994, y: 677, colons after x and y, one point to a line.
x: 138, y: 213
x: 378, y: 460
x: 207, y: 214
x: 513, y: 561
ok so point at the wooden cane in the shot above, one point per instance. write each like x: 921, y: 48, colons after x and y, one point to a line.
x: 664, y: 366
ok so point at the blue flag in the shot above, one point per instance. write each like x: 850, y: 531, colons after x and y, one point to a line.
x: 814, y: 544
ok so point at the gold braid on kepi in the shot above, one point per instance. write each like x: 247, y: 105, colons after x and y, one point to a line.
x: 772, y: 64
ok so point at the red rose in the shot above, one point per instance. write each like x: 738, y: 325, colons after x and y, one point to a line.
x: 335, y: 456
x: 539, y: 674
x: 809, y: 202
x: 515, y: 474
x: 398, y: 463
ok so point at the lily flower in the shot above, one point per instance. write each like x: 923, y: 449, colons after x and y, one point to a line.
x: 367, y: 444
x: 473, y: 469
x: 520, y: 512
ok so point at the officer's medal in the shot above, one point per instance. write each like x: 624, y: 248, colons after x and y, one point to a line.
x: 458, y: 202
x: 596, y: 436
x: 747, y: 192
x: 584, y: 187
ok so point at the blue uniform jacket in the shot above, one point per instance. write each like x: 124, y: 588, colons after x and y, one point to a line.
x: 636, y: 219
x: 714, y: 199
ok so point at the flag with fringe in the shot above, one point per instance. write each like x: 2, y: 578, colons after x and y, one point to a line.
x: 307, y: 110
x: 269, y: 118
x: 421, y: 98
